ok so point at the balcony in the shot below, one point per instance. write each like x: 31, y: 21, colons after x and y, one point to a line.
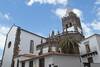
x: 89, y: 54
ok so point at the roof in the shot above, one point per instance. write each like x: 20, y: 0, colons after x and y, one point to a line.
x: 33, y: 33
x: 26, y: 55
x: 91, y: 36
x: 28, y: 31
x: 50, y: 54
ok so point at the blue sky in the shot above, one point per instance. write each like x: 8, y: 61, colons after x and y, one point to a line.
x: 42, y: 16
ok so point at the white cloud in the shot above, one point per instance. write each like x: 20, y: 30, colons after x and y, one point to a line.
x: 54, y: 2
x: 2, y: 41
x: 98, y: 13
x: 95, y: 25
x: 78, y: 12
x: 86, y: 30
x: 3, y: 32
x: 5, y: 16
x: 97, y: 2
x: 60, y: 12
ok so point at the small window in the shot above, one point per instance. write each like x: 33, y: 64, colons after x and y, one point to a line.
x: 41, y: 51
x: 87, y: 65
x: 41, y: 62
x: 9, y: 44
x: 31, y: 46
x: 70, y: 24
x: 90, y: 60
x: 87, y: 48
x: 17, y: 63
x: 66, y: 26
x: 30, y: 63
x: 50, y: 65
x: 55, y: 66
x: 23, y: 64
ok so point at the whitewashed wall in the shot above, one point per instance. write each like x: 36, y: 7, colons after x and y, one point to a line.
x: 67, y: 61
x: 35, y: 63
x: 98, y: 41
x: 8, y: 54
x: 48, y: 61
x: 24, y: 46
x: 94, y: 42
x: 25, y: 38
x: 95, y: 65
x: 45, y: 50
x: 62, y: 61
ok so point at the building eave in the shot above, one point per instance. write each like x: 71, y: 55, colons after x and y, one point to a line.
x: 50, y: 54
x: 90, y: 37
x: 30, y: 32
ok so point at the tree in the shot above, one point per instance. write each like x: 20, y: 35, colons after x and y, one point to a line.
x: 69, y: 45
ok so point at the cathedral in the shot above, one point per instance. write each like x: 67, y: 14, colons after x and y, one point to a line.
x: 27, y: 49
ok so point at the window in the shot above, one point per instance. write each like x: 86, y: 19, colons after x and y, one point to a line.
x: 87, y: 48
x: 9, y: 44
x: 31, y: 46
x: 66, y: 26
x: 55, y: 66
x: 49, y: 65
x: 12, y: 65
x: 41, y: 62
x: 23, y: 64
x: 17, y: 63
x: 41, y: 51
x: 30, y: 63
x: 90, y: 60
x: 70, y: 24
x: 87, y: 65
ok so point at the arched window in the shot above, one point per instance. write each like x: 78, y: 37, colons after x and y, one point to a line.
x: 9, y: 44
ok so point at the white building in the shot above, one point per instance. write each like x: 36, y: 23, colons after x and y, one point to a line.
x: 21, y: 51
x: 18, y: 43
x: 26, y: 49
x: 90, y: 51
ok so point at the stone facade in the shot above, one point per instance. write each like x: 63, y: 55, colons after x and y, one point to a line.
x: 72, y: 26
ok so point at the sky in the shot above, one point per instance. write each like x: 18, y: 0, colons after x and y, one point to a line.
x: 43, y: 16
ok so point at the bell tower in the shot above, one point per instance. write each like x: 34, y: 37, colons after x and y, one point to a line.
x: 71, y: 23
x: 72, y: 26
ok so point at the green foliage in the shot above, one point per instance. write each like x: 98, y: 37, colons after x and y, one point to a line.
x: 69, y: 45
